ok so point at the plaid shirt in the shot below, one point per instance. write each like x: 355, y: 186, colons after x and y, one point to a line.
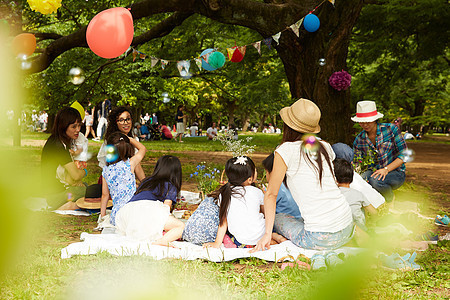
x: 389, y: 146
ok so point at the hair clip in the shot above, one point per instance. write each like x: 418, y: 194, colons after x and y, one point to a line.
x: 242, y: 160
x: 121, y: 138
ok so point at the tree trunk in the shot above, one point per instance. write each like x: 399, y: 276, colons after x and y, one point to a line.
x: 245, y: 122
x: 307, y: 79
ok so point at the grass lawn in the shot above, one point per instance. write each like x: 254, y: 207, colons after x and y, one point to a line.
x: 31, y: 243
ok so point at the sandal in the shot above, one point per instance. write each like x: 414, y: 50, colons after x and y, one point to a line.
x: 318, y: 262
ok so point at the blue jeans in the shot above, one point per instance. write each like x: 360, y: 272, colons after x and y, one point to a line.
x: 294, y: 230
x: 392, y: 181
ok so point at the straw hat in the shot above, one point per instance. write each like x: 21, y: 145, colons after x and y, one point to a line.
x: 91, y: 199
x: 302, y: 116
x: 366, y: 111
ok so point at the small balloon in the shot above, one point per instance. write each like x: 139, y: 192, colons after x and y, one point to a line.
x: 322, y: 62
x: 311, y: 22
x: 110, y: 32
x: 24, y: 43
x: 409, y: 155
x: 76, y: 76
x: 111, y: 153
x: 216, y: 59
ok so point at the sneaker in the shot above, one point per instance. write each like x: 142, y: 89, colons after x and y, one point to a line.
x: 332, y: 260
x: 442, y: 221
x: 97, y: 139
x: 318, y: 262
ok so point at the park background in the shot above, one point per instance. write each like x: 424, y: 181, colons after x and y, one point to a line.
x: 396, y: 52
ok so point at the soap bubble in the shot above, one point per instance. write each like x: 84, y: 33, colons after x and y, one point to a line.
x: 76, y: 76
x: 409, y: 155
x: 322, y: 62
x: 111, y: 153
x: 24, y: 62
x: 310, y: 145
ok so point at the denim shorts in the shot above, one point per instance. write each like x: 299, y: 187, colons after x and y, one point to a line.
x: 294, y: 230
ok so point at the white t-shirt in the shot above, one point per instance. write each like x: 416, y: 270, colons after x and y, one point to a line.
x: 193, y: 130
x: 323, y: 208
x: 244, y: 219
x: 211, y: 131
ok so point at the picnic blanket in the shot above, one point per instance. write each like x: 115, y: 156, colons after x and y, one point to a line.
x: 119, y: 245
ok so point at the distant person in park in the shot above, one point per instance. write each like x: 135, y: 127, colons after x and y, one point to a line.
x: 285, y: 202
x: 147, y: 213
x: 105, y: 108
x: 211, y: 132
x: 194, y: 129
x: 326, y: 221
x: 179, y: 119
x: 166, y: 134
x: 61, y: 178
x: 89, y: 122
x: 154, y: 119
x: 385, y: 141
x: 119, y: 180
x: 419, y: 136
x: 408, y: 136
x: 119, y: 119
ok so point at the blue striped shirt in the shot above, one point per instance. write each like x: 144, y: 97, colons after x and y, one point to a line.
x: 389, y: 146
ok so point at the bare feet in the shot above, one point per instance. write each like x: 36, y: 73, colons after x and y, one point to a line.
x: 163, y: 243
x: 277, y: 238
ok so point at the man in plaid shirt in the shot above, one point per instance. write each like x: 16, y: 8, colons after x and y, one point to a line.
x: 386, y: 142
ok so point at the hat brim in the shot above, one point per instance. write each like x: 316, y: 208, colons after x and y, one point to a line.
x: 81, y: 203
x: 367, y: 119
x: 287, y: 118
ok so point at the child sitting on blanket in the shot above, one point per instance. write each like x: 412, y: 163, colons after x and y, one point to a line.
x: 148, y: 212
x: 285, y: 203
x: 118, y: 175
x: 241, y: 206
x: 343, y: 172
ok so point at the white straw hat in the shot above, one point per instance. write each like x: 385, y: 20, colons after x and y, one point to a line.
x: 366, y: 111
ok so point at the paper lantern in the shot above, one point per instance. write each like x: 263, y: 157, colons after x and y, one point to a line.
x: 45, y: 6
x: 24, y: 43
x: 78, y: 107
x: 236, y: 54
x: 110, y: 32
x: 311, y: 23
x: 216, y: 59
x: 205, y: 65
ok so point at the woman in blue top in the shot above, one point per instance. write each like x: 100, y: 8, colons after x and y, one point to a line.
x: 147, y: 213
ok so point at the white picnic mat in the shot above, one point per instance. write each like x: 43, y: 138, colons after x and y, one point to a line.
x: 119, y: 245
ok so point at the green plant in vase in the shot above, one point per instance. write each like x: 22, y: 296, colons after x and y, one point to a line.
x: 208, y: 179
x: 362, y: 163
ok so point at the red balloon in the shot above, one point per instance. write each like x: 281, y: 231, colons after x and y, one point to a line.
x: 24, y: 43
x: 110, y: 32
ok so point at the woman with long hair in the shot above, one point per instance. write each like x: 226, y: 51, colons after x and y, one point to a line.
x: 62, y: 179
x: 326, y: 219
x: 119, y: 119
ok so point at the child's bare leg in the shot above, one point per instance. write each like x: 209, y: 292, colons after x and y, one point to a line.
x: 174, y: 229
x: 277, y: 238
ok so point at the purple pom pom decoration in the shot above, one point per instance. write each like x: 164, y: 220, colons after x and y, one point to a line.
x: 340, y: 80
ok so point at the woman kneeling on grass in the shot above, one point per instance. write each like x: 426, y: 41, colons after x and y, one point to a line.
x: 62, y: 179
x: 326, y: 217
x: 147, y: 213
